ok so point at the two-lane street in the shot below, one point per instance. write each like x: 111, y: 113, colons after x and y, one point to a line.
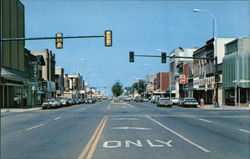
x: 129, y: 130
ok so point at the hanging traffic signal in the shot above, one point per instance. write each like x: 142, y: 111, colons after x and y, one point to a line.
x: 108, y: 38
x: 163, y: 57
x: 59, y: 41
x: 131, y: 56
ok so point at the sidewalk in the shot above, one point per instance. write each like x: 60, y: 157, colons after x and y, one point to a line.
x: 23, y: 109
x: 225, y: 107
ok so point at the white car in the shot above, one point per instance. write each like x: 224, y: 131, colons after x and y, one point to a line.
x: 165, y: 102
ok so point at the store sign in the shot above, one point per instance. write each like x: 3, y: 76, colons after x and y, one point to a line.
x: 183, y: 79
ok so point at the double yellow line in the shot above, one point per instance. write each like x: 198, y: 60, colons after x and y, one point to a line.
x: 89, y: 149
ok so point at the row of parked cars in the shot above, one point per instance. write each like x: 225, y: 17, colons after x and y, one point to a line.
x: 64, y: 102
x: 183, y: 102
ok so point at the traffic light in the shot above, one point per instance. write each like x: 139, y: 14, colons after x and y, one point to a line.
x: 131, y: 56
x: 59, y: 41
x: 163, y: 57
x: 108, y: 38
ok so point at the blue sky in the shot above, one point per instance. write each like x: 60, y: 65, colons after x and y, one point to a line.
x: 145, y: 27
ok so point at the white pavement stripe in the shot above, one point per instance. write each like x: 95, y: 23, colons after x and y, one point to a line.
x: 131, y: 128
x: 179, y: 135
x: 108, y: 107
x: 57, y: 118
x: 244, y: 130
x: 35, y: 127
x: 208, y: 121
x: 124, y: 119
x: 130, y: 105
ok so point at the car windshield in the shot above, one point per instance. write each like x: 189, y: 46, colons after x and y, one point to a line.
x: 125, y: 79
x: 164, y: 99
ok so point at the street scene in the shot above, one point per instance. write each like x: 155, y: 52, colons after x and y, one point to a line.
x: 124, y: 79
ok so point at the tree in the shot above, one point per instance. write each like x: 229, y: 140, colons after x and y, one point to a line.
x: 139, y: 86
x: 117, y: 89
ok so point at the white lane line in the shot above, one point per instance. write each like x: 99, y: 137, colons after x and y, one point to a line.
x: 131, y: 128
x: 35, y: 127
x: 57, y: 118
x: 208, y: 121
x: 179, y: 135
x: 124, y: 119
x: 108, y: 107
x: 80, y: 109
x: 130, y: 105
x: 244, y: 130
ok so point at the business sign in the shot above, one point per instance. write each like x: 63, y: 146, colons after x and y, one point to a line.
x: 183, y: 79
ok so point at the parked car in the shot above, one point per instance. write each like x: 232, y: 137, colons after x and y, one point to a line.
x: 64, y: 101
x: 127, y: 99
x: 51, y: 103
x: 189, y: 102
x: 89, y: 101
x: 145, y: 99
x: 164, y: 102
x: 175, y: 100
x: 71, y: 102
x: 138, y: 99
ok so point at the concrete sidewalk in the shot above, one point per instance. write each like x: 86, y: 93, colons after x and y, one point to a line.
x: 6, y: 110
x: 225, y: 107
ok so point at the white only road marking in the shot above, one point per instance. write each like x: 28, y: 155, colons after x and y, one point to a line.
x: 208, y: 121
x: 35, y: 127
x: 132, y: 128
x: 137, y: 143
x: 244, y: 130
x: 57, y: 118
x: 124, y: 119
x: 179, y: 135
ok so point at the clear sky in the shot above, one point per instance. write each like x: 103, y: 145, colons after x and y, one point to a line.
x: 145, y: 27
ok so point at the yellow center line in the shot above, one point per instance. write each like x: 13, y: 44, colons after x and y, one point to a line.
x: 86, y: 148
x: 93, y: 147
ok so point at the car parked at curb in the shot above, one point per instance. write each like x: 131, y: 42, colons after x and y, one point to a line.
x: 189, y: 102
x: 51, y: 103
x: 164, y: 102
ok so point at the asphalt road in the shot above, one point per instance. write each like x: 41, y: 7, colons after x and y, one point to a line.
x: 133, y: 130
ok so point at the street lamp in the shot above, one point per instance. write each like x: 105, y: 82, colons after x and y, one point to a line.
x: 215, y: 51
x: 214, y: 22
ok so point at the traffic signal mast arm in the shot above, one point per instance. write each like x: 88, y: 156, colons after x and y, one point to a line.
x: 48, y: 38
x: 186, y: 57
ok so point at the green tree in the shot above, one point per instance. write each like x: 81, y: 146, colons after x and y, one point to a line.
x: 139, y: 86
x: 117, y: 89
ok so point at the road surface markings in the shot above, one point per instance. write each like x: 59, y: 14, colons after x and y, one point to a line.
x: 244, y: 130
x: 208, y: 121
x: 80, y: 109
x: 131, y: 128
x: 130, y: 105
x: 57, y: 118
x: 124, y: 119
x: 179, y: 135
x: 108, y: 107
x: 137, y: 143
x: 91, y: 145
x: 35, y: 127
